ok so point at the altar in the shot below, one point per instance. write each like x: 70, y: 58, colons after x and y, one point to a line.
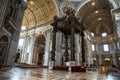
x: 71, y: 51
x: 78, y: 69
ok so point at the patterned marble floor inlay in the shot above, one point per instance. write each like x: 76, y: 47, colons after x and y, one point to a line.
x: 46, y: 74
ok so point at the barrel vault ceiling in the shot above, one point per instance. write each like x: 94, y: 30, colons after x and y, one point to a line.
x: 95, y: 14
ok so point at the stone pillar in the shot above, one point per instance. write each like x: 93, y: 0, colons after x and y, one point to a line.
x: 15, y: 36
x: 58, y: 51
x: 90, y: 55
x: 78, y: 49
x: 34, y: 59
x: 31, y: 49
x: 25, y: 46
x: 99, y: 53
x: 89, y: 52
x: 47, y: 50
x: 100, y: 59
x: 114, y: 53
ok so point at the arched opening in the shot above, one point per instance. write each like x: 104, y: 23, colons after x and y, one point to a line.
x: 95, y: 61
x: 3, y: 48
x: 39, y: 50
x: 118, y: 60
x: 107, y: 61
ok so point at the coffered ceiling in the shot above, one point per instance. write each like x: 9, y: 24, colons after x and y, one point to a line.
x: 38, y: 12
x: 96, y: 17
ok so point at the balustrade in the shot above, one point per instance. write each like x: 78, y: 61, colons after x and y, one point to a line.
x: 92, y: 70
x: 105, y: 39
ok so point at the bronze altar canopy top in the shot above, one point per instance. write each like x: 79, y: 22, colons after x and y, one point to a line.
x: 68, y: 22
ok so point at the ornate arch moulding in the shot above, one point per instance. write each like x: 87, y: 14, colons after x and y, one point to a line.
x: 57, y: 7
x: 4, y: 34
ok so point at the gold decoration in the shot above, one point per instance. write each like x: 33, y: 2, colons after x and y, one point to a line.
x: 107, y: 59
x: 94, y: 58
x: 119, y: 58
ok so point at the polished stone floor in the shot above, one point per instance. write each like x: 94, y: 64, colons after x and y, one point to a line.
x: 45, y: 74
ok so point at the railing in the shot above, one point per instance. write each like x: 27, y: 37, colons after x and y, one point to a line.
x: 115, y: 72
x: 92, y: 70
x: 105, y: 39
x: 37, y: 28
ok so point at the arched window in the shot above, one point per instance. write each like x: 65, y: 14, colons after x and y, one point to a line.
x: 105, y: 47
x: 104, y: 34
x: 92, y: 34
x: 25, y: 1
x: 93, y: 47
x: 21, y: 41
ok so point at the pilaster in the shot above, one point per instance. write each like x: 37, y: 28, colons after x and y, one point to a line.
x: 15, y: 36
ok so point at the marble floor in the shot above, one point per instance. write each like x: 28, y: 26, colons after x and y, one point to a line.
x: 46, y: 74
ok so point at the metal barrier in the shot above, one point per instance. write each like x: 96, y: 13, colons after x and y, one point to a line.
x: 92, y: 70
x: 115, y: 72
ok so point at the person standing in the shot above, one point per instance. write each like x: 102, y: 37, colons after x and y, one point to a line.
x: 17, y: 56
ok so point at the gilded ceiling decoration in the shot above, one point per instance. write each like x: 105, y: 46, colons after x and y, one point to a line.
x: 96, y: 17
x: 94, y: 14
x: 38, y: 12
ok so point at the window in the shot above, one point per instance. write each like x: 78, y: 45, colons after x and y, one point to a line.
x: 118, y: 45
x: 105, y: 47
x: 21, y: 41
x: 93, y: 47
x: 23, y: 28
x: 25, y: 0
x: 92, y: 34
x: 104, y: 34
